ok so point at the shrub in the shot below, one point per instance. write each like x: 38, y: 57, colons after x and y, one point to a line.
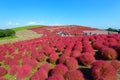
x: 74, y: 75
x: 3, y: 71
x: 117, y: 47
x: 14, y: 62
x: 59, y: 69
x: 86, y: 58
x: 62, y: 58
x: 41, y: 74
x: 53, y: 57
x: 102, y: 70
x: 46, y: 66
x: 41, y: 57
x: 56, y: 77
x: 75, y: 53
x: 7, y: 32
x: 67, y: 52
x: 71, y: 63
x: 13, y: 69
x: 3, y: 79
x: 112, y: 42
x: 116, y: 64
x: 78, y: 46
x: 33, y: 63
x: 109, y: 53
x: 23, y: 72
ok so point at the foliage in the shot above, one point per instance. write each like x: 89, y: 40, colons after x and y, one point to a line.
x: 25, y: 27
x: 112, y: 29
x: 102, y: 70
x: 7, y: 32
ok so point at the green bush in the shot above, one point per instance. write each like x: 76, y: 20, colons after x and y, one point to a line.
x: 7, y: 32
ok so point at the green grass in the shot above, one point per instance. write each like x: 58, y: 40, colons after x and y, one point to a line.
x: 6, y: 38
x: 25, y: 27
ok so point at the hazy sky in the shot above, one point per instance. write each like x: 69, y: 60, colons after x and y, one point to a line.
x: 94, y: 13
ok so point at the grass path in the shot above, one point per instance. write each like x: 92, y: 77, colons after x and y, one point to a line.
x: 22, y: 35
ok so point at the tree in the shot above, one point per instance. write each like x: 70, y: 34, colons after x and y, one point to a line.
x: 112, y: 29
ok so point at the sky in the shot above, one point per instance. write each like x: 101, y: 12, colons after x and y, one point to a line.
x: 94, y: 13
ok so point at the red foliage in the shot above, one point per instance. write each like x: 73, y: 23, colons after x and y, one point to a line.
x: 116, y: 64
x: 75, y: 53
x: 13, y: 69
x: 46, y: 66
x: 53, y: 57
x: 67, y: 52
x: 56, y: 77
x: 7, y: 60
x: 97, y: 45
x: 41, y: 57
x: 109, y: 53
x: 71, y: 63
x: 62, y: 58
x: 112, y: 42
x: 18, y: 56
x: 86, y: 58
x: 38, y: 56
x: 3, y: 79
x: 23, y: 72
x: 102, y: 70
x: 117, y: 47
x: 74, y: 75
x: 78, y: 46
x: 14, y: 62
x: 3, y: 71
x: 31, y: 62
x: 59, y: 69
x: 41, y: 74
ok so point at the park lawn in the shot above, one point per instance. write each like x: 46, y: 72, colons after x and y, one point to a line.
x: 25, y: 27
x: 9, y: 37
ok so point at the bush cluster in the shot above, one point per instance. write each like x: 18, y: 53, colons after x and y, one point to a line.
x: 7, y: 32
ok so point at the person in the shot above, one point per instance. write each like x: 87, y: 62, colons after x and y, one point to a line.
x: 90, y: 33
x: 108, y: 32
x: 119, y: 31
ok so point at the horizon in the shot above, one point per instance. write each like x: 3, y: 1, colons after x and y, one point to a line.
x: 100, y: 14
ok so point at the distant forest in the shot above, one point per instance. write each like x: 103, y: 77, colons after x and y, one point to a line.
x: 113, y: 29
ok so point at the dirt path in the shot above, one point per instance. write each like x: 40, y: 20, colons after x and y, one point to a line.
x: 22, y: 35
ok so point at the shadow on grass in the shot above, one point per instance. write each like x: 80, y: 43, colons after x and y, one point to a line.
x: 87, y: 73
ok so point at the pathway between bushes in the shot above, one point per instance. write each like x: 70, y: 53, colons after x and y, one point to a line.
x: 22, y: 35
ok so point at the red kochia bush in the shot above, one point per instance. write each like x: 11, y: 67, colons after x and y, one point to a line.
x: 3, y: 79
x: 32, y: 62
x: 41, y: 74
x: 23, y: 72
x: 75, y: 53
x: 56, y: 77
x: 53, y: 57
x: 109, y: 53
x: 46, y: 66
x: 71, y: 63
x: 3, y: 71
x: 102, y: 70
x: 59, y: 69
x: 78, y: 46
x: 62, y: 58
x: 116, y: 64
x: 117, y: 47
x: 13, y: 69
x: 86, y: 58
x: 41, y: 57
x: 74, y: 75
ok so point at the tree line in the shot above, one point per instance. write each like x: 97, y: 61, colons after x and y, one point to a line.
x: 7, y: 32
